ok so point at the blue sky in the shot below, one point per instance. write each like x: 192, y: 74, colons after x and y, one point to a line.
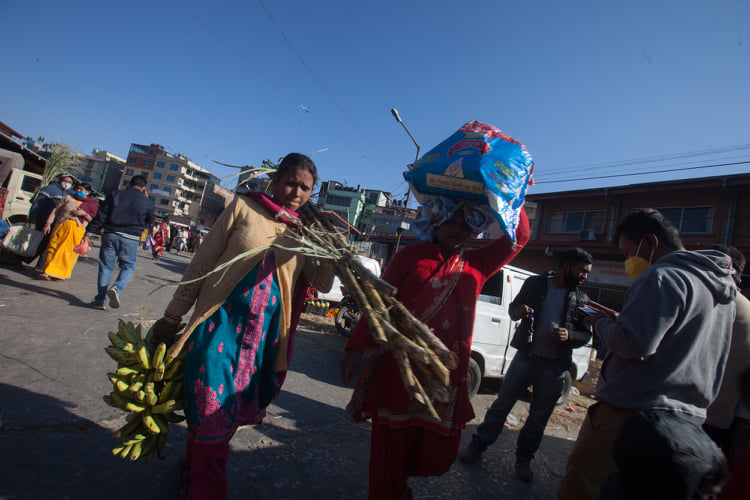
x: 587, y: 86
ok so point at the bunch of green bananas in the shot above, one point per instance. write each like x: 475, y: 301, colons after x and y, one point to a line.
x: 147, y: 385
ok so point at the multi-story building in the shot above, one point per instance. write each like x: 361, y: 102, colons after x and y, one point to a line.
x: 176, y: 183
x: 705, y: 211
x: 102, y: 170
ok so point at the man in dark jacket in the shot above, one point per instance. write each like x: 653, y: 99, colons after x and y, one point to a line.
x: 552, y: 325
x: 122, y: 219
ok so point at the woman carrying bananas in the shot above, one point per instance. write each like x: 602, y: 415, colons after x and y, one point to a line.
x: 238, y: 341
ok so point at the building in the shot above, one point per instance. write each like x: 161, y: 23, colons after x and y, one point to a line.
x: 103, y: 170
x: 705, y: 211
x: 347, y: 202
x: 177, y: 184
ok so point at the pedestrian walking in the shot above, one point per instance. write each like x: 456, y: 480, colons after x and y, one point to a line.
x: 160, y: 237
x: 439, y: 282
x: 122, y: 218
x: 44, y: 204
x: 552, y: 325
x: 240, y: 336
x: 66, y: 226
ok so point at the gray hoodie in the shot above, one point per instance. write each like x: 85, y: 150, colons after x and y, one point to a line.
x: 669, y: 345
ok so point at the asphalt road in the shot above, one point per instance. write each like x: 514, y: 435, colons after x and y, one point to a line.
x: 55, y: 436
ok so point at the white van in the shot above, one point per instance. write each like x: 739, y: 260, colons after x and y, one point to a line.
x: 491, y: 352
x: 335, y: 295
x: 19, y: 187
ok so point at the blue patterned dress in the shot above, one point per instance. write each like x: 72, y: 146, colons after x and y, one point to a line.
x: 229, y: 378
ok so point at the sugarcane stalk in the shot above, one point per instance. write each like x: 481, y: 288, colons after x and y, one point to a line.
x: 376, y: 329
x: 437, y: 389
x: 435, y: 364
x: 402, y: 315
x: 412, y: 384
x: 412, y: 350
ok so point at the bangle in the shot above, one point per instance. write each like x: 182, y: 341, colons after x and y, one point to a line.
x: 171, y: 318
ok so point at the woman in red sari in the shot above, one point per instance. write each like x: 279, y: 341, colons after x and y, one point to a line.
x: 439, y: 282
x: 161, y: 237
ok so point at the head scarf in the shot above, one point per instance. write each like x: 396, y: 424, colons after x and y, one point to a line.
x: 441, y: 208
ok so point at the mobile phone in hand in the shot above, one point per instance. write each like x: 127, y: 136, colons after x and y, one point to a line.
x: 588, y: 310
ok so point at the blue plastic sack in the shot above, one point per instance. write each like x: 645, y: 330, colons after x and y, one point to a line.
x: 478, y: 163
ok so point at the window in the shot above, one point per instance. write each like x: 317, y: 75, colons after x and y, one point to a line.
x: 174, y: 166
x: 132, y: 160
x: 690, y: 220
x: 160, y: 164
x: 170, y: 178
x: 167, y: 189
x: 338, y: 201
x: 493, y: 289
x: 157, y: 175
x: 154, y: 186
x: 148, y: 163
x: 574, y: 222
x: 128, y: 171
x: 164, y: 201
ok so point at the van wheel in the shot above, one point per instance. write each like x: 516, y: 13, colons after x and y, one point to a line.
x: 475, y: 377
x: 567, y: 384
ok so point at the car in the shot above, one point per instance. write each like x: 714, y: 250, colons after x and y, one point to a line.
x: 491, y: 352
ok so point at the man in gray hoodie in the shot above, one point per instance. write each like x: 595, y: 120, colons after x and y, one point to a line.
x: 666, y: 350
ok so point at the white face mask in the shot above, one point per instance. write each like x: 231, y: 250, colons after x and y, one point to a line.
x: 66, y: 185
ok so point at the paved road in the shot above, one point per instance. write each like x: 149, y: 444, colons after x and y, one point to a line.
x: 55, y: 438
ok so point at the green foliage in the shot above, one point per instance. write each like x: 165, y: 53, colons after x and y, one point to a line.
x: 62, y: 161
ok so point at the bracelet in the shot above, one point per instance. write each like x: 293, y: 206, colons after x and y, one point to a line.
x: 171, y: 318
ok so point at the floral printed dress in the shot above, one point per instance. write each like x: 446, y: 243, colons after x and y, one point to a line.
x: 229, y: 377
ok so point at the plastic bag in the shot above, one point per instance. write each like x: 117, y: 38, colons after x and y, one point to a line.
x: 478, y: 163
x: 83, y: 247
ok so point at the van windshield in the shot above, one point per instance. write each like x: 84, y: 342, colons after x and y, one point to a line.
x: 493, y: 289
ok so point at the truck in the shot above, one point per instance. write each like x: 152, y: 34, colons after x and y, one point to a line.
x: 17, y: 187
x: 491, y: 352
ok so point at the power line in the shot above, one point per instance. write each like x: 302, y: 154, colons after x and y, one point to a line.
x: 322, y: 86
x: 630, y: 174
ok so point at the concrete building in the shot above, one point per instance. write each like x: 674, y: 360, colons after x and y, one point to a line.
x: 176, y: 183
x: 103, y: 170
x: 705, y: 211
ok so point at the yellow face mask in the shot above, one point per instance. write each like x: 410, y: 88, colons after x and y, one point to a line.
x: 636, y: 265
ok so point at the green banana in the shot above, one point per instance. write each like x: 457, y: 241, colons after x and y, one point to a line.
x: 125, y: 371
x: 159, y: 353
x: 174, y: 371
x: 140, y: 396
x: 164, y: 407
x: 154, y: 423
x: 173, y: 418
x: 143, y: 358
x: 125, y: 450
x: 117, y: 341
x: 159, y: 372
x: 127, y: 331
x: 135, y: 451
x: 120, y: 355
x: 137, y: 383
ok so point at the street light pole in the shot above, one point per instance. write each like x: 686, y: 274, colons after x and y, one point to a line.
x: 400, y: 229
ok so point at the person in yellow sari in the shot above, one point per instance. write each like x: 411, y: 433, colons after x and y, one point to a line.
x: 68, y: 226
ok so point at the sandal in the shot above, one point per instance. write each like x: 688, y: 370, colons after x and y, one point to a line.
x: 183, y: 472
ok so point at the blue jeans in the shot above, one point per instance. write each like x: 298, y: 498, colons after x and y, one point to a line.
x: 524, y: 371
x: 115, y: 249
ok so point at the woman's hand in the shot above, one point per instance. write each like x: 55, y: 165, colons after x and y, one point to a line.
x: 46, y: 229
x: 165, y: 331
x: 350, y: 362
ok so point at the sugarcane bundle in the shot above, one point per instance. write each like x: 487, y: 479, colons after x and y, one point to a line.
x: 423, y: 360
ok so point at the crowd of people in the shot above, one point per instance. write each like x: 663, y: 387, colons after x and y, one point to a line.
x: 671, y: 418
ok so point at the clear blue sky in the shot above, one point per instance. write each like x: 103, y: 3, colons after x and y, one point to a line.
x: 587, y: 86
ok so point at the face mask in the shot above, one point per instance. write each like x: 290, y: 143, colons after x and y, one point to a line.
x: 79, y: 193
x: 635, y: 266
x: 66, y: 185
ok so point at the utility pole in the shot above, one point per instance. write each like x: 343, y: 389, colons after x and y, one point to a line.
x: 400, y: 229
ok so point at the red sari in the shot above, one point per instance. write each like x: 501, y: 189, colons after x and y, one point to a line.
x: 443, y: 292
x: 161, y: 236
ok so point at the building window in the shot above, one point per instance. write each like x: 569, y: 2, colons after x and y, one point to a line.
x: 160, y: 164
x: 174, y: 166
x: 148, y: 163
x: 170, y: 178
x: 338, y: 201
x: 167, y: 189
x: 690, y: 220
x: 132, y: 160
x: 574, y: 222
x: 157, y: 175
x: 164, y: 201
x: 128, y: 171
x: 154, y: 186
